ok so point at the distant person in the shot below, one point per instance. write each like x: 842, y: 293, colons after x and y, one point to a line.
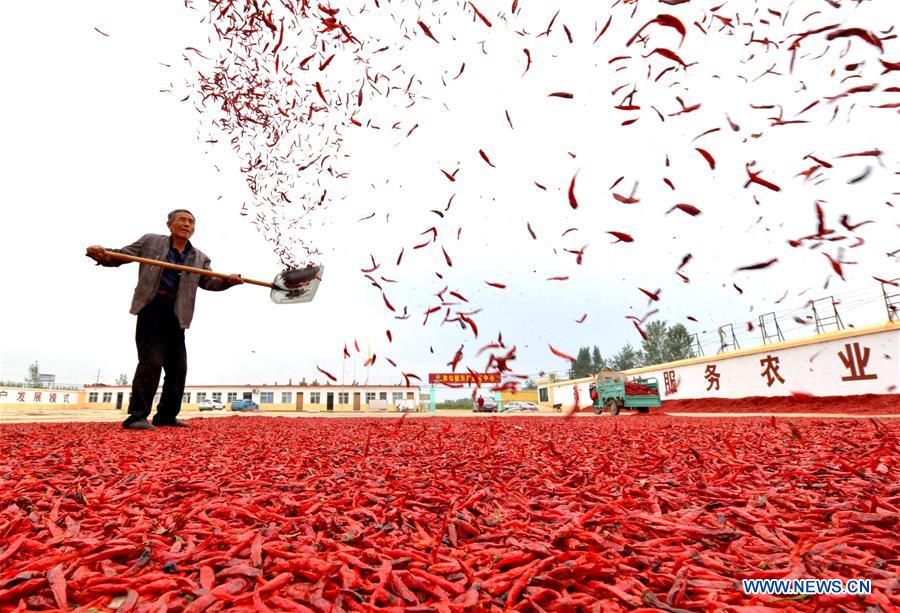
x: 164, y: 304
x: 480, y: 404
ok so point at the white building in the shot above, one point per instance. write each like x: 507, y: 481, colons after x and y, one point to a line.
x: 274, y: 397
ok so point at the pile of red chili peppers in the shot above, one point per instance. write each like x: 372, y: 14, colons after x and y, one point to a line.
x: 447, y: 514
x: 636, y: 389
x: 863, y: 404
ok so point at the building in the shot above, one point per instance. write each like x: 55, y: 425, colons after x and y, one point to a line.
x: 274, y: 397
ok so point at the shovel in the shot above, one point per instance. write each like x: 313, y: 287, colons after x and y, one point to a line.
x: 293, y: 285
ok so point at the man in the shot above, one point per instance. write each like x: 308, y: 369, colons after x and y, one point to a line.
x: 164, y: 304
x: 480, y: 404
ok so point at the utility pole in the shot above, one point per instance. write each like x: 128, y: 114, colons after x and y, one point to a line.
x: 98, y: 376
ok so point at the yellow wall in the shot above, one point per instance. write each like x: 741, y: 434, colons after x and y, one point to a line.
x: 521, y: 395
x: 322, y: 407
x: 273, y: 407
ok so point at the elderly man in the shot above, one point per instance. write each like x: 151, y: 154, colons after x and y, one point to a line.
x: 164, y: 304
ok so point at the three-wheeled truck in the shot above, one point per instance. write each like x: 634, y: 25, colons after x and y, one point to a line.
x: 611, y: 392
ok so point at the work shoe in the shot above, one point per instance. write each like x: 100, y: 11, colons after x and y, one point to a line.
x: 177, y: 424
x: 140, y: 424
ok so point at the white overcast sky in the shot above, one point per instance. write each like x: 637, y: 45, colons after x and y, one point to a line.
x: 95, y: 153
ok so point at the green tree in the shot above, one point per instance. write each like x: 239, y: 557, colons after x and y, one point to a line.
x: 627, y: 358
x: 34, y: 376
x: 456, y: 404
x: 303, y: 382
x: 122, y: 380
x: 581, y: 367
x: 597, y: 362
x: 530, y: 385
x: 678, y: 343
x: 654, y: 346
x: 315, y: 383
x: 664, y: 344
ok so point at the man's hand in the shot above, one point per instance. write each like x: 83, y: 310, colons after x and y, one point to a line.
x: 233, y: 280
x: 96, y: 252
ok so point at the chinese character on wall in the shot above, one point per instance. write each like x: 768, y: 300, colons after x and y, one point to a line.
x: 37, y: 396
x: 65, y: 398
x: 770, y: 371
x: 669, y: 379
x: 712, y: 377
x: 20, y: 397
x: 855, y: 360
x: 52, y: 397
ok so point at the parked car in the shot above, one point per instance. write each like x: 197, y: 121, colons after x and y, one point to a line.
x: 519, y: 406
x: 212, y: 405
x: 490, y: 406
x: 244, y: 405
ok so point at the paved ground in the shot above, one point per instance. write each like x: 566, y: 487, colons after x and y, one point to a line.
x: 25, y: 415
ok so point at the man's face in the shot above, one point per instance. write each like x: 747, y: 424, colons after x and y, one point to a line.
x: 182, y: 227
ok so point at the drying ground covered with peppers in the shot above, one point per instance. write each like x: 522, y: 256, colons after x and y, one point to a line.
x: 862, y: 404
x: 447, y: 514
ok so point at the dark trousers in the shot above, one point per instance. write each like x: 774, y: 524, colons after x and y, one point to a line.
x: 160, y: 345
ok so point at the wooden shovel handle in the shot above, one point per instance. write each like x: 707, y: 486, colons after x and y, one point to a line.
x: 114, y: 255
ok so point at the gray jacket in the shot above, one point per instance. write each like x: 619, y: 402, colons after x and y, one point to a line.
x: 156, y: 247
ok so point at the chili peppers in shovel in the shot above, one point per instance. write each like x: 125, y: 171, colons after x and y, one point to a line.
x: 290, y: 286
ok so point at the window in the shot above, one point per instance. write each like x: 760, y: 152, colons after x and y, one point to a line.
x: 370, y: 396
x: 107, y: 396
x: 543, y: 395
x: 92, y: 397
x: 232, y: 396
x: 343, y: 397
x: 201, y: 396
x: 396, y: 396
x: 267, y: 397
x: 286, y: 398
x: 382, y: 396
x: 186, y: 398
x: 314, y: 398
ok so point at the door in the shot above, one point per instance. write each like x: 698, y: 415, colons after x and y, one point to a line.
x: 119, y: 398
x: 299, y: 406
x: 329, y: 399
x: 355, y: 401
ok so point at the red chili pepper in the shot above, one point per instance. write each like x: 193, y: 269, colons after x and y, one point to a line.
x: 57, y: 580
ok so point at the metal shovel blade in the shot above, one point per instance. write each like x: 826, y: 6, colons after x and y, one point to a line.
x: 298, y: 285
